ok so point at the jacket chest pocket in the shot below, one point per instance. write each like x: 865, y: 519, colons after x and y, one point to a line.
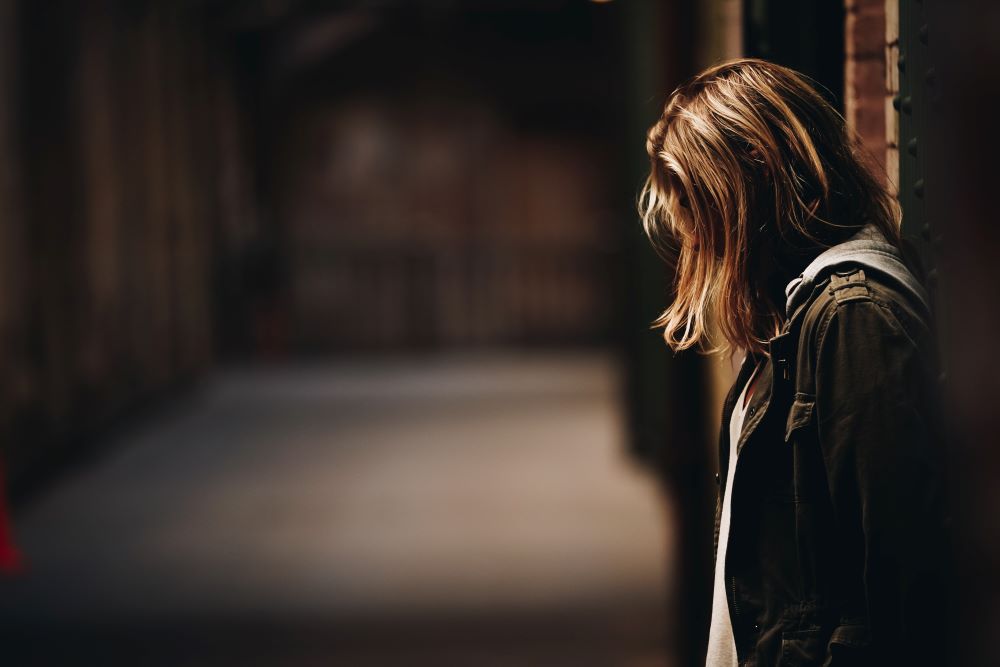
x: 799, y: 415
x: 802, y: 448
x: 792, y: 453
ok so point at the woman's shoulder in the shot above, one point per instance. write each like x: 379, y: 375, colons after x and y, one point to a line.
x: 867, y: 306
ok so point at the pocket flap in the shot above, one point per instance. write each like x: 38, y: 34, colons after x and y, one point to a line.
x: 855, y: 636
x: 799, y: 414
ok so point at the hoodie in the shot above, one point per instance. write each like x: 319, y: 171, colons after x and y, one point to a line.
x: 870, y: 250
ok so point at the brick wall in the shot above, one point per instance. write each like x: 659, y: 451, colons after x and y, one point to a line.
x: 871, y: 79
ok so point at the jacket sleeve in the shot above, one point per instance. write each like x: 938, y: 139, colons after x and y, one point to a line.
x: 874, y: 411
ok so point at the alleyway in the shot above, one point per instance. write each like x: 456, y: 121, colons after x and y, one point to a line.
x: 468, y: 510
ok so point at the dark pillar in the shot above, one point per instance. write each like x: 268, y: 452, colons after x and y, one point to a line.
x: 666, y: 391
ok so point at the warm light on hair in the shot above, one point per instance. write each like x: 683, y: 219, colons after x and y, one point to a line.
x: 752, y: 174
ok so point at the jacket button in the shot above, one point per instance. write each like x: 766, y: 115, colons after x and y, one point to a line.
x: 717, y: 479
x: 753, y: 411
x: 756, y: 627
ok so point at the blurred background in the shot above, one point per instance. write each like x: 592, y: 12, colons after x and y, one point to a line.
x: 324, y: 326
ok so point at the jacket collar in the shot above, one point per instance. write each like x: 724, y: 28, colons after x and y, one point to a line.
x: 868, y: 248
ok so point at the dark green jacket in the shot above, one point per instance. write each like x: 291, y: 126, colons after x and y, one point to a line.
x: 838, y: 542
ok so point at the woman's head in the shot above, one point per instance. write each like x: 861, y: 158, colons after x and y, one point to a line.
x: 752, y: 174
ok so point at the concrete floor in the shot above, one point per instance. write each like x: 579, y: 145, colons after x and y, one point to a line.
x: 463, y: 510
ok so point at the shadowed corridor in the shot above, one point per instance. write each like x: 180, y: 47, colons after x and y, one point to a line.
x: 473, y: 509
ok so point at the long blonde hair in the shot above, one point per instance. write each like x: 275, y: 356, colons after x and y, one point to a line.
x: 752, y: 174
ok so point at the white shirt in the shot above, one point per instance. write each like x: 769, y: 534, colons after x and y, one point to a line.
x: 721, y: 643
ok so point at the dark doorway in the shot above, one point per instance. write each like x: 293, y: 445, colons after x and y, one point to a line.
x: 806, y: 36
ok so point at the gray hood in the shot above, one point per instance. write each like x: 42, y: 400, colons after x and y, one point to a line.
x: 869, y: 249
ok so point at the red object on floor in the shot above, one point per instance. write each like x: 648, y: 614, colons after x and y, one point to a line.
x: 11, y: 561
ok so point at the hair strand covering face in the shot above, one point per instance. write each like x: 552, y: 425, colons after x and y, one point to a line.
x: 752, y: 173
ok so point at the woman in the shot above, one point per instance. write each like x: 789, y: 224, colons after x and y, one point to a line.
x: 830, y: 519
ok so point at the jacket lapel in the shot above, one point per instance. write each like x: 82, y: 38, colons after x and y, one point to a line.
x: 727, y: 414
x: 759, y: 402
x: 776, y: 370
